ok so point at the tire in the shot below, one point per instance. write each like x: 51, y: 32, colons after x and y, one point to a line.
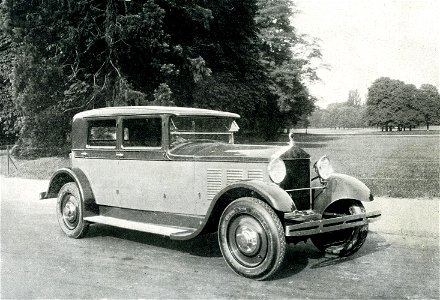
x: 70, y: 211
x: 343, y: 242
x: 251, y: 238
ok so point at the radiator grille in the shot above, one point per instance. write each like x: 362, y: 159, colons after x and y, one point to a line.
x: 298, y: 176
x: 214, y: 182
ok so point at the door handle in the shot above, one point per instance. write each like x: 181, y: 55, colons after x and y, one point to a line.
x: 119, y: 155
x: 84, y: 154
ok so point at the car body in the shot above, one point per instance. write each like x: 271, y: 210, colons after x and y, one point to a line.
x: 177, y: 172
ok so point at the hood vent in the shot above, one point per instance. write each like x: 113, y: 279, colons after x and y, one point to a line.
x: 233, y: 176
x: 214, y: 182
x: 216, y: 179
x: 255, y: 175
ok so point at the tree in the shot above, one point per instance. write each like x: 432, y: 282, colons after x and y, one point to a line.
x: 339, y: 115
x: 428, y: 104
x: 9, y: 115
x: 353, y: 98
x: 405, y: 113
x: 76, y: 55
x: 286, y: 70
x: 382, y: 101
x: 393, y: 103
x: 82, y: 54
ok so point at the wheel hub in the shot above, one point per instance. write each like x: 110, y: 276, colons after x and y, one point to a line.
x: 70, y: 212
x: 248, y: 240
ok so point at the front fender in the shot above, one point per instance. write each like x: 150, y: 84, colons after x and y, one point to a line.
x: 339, y: 186
x: 270, y: 192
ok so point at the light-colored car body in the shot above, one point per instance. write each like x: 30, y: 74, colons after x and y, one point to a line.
x: 153, y: 169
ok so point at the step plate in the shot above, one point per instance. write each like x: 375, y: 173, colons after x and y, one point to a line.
x: 144, y: 227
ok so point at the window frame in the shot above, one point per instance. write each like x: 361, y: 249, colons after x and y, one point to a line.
x: 134, y: 148
x: 112, y: 147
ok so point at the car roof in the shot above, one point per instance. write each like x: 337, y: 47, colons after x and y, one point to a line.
x: 152, y: 110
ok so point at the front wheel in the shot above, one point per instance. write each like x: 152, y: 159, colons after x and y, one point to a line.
x: 342, y: 242
x: 70, y: 211
x: 251, y: 238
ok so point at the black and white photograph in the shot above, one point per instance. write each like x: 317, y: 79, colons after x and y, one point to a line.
x: 229, y: 149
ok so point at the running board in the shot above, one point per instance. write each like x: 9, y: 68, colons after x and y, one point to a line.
x: 139, y: 226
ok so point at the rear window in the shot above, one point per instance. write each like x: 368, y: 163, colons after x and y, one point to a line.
x: 102, y: 133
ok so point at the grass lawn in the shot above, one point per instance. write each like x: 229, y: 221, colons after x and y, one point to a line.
x: 41, y: 168
x: 396, y: 165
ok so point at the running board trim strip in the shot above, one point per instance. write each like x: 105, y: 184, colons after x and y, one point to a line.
x: 139, y: 226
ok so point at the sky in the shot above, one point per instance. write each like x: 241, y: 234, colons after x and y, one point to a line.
x: 362, y: 40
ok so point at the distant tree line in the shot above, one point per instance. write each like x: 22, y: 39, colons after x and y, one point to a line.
x: 393, y: 103
x: 348, y: 114
x: 72, y: 55
x: 390, y: 104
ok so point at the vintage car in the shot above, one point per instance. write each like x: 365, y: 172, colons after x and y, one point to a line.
x: 176, y: 172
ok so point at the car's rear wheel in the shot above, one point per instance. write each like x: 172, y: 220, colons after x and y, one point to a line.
x: 342, y: 242
x: 70, y: 211
x: 251, y: 238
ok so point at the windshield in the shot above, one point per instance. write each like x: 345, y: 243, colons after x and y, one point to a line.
x: 201, y: 129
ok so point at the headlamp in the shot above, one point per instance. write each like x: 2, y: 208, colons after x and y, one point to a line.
x: 323, y: 168
x: 277, y: 170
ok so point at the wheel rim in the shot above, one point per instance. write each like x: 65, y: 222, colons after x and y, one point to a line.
x: 247, y: 241
x: 70, y: 211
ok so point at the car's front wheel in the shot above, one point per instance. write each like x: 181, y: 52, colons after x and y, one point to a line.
x: 342, y: 242
x: 70, y: 211
x: 251, y: 238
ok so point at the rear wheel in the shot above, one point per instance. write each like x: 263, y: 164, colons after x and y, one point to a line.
x: 70, y: 211
x: 342, y: 242
x: 251, y: 238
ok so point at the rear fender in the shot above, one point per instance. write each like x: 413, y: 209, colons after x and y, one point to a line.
x: 339, y: 186
x: 65, y: 175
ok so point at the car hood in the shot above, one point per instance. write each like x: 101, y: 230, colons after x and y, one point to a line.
x: 238, y: 152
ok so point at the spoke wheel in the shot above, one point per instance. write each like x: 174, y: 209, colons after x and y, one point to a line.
x: 70, y: 211
x: 343, y: 242
x: 251, y: 238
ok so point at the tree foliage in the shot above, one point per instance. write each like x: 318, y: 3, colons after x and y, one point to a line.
x: 74, y: 55
x: 428, y: 104
x: 287, y: 72
x: 349, y: 114
x: 9, y: 115
x: 392, y: 103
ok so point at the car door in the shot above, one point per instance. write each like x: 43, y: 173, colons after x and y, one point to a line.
x: 98, y: 160
x: 147, y: 179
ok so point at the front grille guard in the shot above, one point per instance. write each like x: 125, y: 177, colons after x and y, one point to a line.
x: 311, y: 226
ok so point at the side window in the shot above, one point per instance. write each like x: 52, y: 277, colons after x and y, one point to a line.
x: 102, y: 133
x: 142, y: 132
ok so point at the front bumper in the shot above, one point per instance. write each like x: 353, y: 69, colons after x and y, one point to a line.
x: 310, y: 223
